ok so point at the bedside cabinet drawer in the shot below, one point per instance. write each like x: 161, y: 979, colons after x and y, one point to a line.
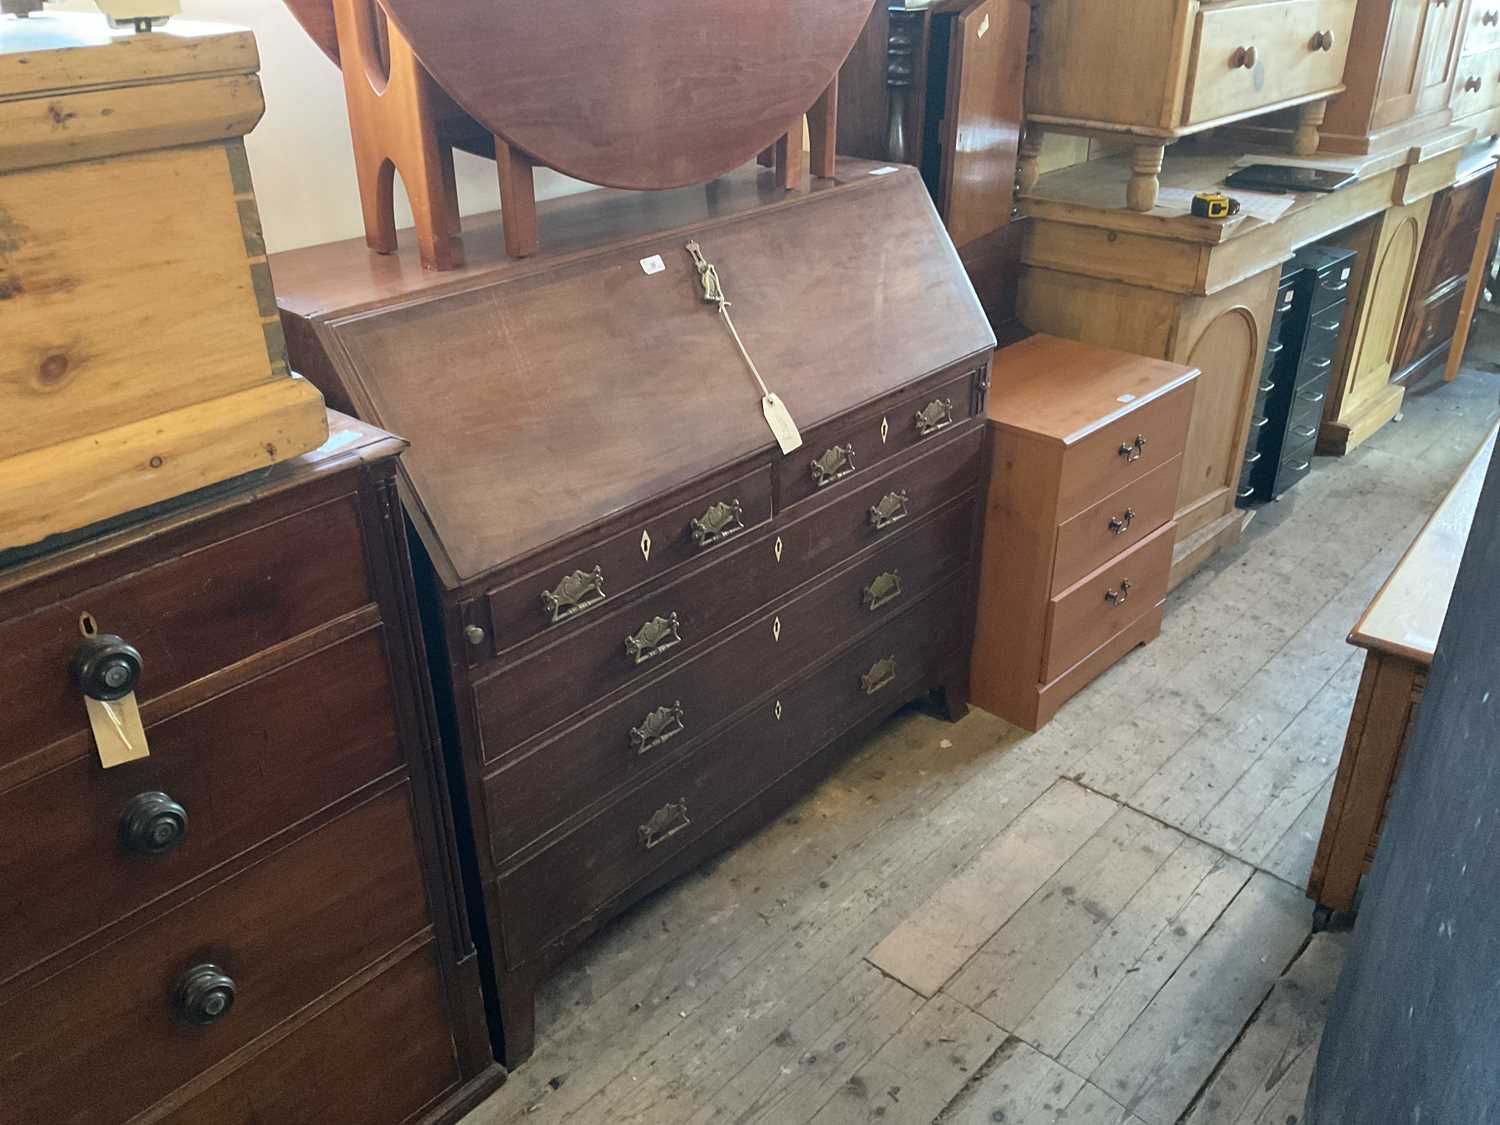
x: 151, y: 1011
x: 1246, y: 56
x: 1119, y: 521
x: 1122, y: 451
x: 85, y: 846
x: 1097, y: 607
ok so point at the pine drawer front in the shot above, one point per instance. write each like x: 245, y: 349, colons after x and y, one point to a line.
x: 83, y: 847
x: 1476, y: 85
x: 541, y: 788
x: 665, y: 625
x: 189, y: 617
x: 1097, y: 607
x: 395, y: 1020
x: 1289, y: 59
x: 1119, y: 521
x: 1483, y: 30
x: 1123, y: 451
x: 835, y: 456
x: 146, y: 1014
x: 561, y: 595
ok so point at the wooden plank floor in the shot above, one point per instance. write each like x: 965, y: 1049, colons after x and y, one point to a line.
x: 1100, y: 924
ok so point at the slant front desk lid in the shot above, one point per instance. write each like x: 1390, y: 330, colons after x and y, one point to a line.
x: 547, y: 396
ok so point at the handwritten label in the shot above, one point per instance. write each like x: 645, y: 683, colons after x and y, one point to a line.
x: 653, y: 264
x: 118, y: 732
x: 779, y: 418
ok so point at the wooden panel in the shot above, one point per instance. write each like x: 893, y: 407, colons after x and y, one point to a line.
x: 584, y: 871
x: 244, y: 765
x: 271, y: 584
x: 381, y: 1055
x: 1120, y: 520
x: 287, y: 930
x: 982, y: 122
x: 1096, y: 466
x: 533, y: 793
x: 1287, y: 64
x: 1084, y: 617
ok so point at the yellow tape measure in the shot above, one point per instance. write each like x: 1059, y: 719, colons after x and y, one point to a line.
x: 1214, y: 205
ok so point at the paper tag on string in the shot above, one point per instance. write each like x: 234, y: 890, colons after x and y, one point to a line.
x: 118, y: 732
x: 779, y: 418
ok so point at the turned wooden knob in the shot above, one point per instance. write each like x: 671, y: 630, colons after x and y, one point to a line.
x: 106, y: 668
x: 152, y: 823
x: 1322, y: 41
x: 1243, y: 56
x: 1491, y: 17
x: 204, y: 994
x: 1472, y: 84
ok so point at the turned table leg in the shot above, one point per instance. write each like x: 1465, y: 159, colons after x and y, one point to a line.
x: 1028, y: 169
x: 1140, y: 193
x: 1309, y: 118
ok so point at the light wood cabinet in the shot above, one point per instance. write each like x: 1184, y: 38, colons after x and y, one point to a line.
x: 1475, y: 100
x: 1156, y: 70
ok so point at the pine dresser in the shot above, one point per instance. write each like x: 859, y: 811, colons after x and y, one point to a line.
x: 650, y: 628
x: 259, y: 920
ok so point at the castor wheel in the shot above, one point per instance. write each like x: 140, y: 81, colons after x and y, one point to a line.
x: 1322, y: 918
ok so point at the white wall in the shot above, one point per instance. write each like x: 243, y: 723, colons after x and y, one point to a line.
x: 300, y: 153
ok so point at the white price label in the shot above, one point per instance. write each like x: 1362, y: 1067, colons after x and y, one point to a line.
x: 653, y: 264
x: 884, y: 171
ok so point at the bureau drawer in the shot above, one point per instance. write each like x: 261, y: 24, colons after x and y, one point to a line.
x: 1300, y: 436
x: 835, y: 455
x: 1476, y: 84
x: 581, y: 874
x: 189, y: 617
x: 1249, y: 55
x: 1293, y: 467
x: 1123, y: 451
x: 242, y: 766
x: 1314, y: 371
x: 1093, y: 610
x: 286, y: 931
x: 1483, y: 30
x: 1093, y: 537
x: 326, y: 1073
x: 584, y: 667
x: 535, y: 792
x: 1436, y: 322
x: 562, y: 593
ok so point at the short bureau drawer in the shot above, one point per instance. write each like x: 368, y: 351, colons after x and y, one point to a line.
x: 1123, y: 450
x: 1097, y: 607
x: 668, y: 623
x: 535, y: 791
x: 561, y: 593
x: 835, y: 454
x: 1483, y: 31
x: 1476, y: 83
x: 142, y: 1016
x: 581, y: 874
x: 189, y: 617
x: 76, y: 843
x: 1123, y: 518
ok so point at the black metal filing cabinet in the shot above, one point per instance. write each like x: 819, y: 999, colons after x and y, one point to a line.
x: 1304, y: 338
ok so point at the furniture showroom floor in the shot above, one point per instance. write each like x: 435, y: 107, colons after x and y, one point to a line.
x: 1099, y: 924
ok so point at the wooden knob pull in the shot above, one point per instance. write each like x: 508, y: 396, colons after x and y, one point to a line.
x: 204, y: 994
x: 1323, y: 41
x: 1472, y: 84
x: 1243, y: 57
x: 1490, y: 17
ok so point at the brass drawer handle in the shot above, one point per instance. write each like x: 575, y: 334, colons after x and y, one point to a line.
x: 835, y: 464
x: 881, y: 674
x: 655, y: 637
x: 893, y: 508
x: 665, y: 823
x: 1322, y: 41
x: 1242, y: 57
x: 1118, y: 597
x: 718, y: 523
x: 936, y: 415
x: 885, y: 588
x: 1132, y: 450
x: 661, y: 725
x: 582, y: 590
x: 1120, y: 524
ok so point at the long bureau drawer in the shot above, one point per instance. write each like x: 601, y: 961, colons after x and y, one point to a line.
x: 75, y: 842
x: 1124, y: 517
x: 1123, y: 451
x: 285, y: 931
x: 536, y: 791
x: 581, y: 874
x: 666, y: 625
x: 1099, y: 606
x: 272, y: 582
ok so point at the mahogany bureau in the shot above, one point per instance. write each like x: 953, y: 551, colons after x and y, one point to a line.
x: 650, y: 628
x: 1086, y: 472
x: 259, y: 921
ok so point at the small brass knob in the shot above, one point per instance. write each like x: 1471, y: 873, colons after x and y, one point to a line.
x: 105, y: 668
x: 474, y: 634
x: 152, y: 823
x: 204, y: 994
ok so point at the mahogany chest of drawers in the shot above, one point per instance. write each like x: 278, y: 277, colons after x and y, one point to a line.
x: 650, y: 628
x: 259, y: 921
x: 1086, y: 467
